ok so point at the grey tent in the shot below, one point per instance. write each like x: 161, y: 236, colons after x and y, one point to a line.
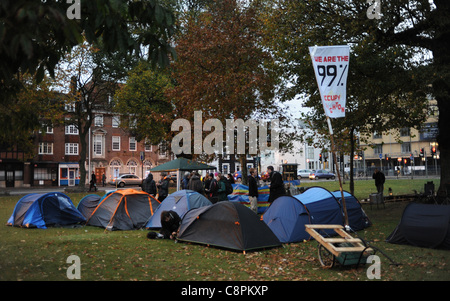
x: 423, y: 225
x: 88, y: 204
x: 229, y: 225
x: 181, y: 202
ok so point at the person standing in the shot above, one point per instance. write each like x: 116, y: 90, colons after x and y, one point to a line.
x: 185, y: 181
x: 253, y: 191
x: 276, y: 184
x: 195, y: 183
x: 163, y: 188
x: 212, y: 189
x: 379, y: 178
x: 221, y: 188
x: 149, y: 185
x: 93, y: 182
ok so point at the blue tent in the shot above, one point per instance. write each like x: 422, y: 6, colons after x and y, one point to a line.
x: 288, y: 215
x: 181, y: 202
x: 240, y: 195
x: 42, y: 210
x: 357, y: 218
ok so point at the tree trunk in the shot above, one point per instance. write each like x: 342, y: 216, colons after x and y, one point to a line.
x: 441, y: 88
x: 352, y: 152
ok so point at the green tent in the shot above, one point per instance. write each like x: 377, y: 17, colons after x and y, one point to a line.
x: 181, y: 164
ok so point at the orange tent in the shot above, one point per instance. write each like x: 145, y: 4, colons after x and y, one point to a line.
x: 123, y: 209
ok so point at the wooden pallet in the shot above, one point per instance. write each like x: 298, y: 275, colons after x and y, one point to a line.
x: 332, y: 244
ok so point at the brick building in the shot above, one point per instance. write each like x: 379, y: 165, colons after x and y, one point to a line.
x: 112, y: 151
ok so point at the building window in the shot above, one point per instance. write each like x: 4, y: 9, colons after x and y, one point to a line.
x: 310, y: 153
x: 115, y: 121
x: 377, y: 135
x: 42, y: 174
x: 115, y: 167
x: 405, y: 132
x: 406, y: 147
x: 163, y: 148
x: 378, y: 149
x: 133, y: 145
x: 98, y: 120
x: 45, y: 148
x: 98, y: 145
x: 132, y: 167
x: 71, y: 148
x: 71, y: 130
x: 116, y: 143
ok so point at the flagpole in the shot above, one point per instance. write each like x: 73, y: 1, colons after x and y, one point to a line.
x: 333, y: 150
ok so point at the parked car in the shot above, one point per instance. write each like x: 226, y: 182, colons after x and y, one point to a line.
x: 126, y: 179
x: 304, y: 173
x: 321, y: 174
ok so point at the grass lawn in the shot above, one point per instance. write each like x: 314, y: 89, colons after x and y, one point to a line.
x: 34, y: 254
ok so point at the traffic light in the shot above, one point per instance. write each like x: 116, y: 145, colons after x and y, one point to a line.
x: 320, y: 157
x: 386, y: 157
x: 433, y: 150
x: 421, y: 152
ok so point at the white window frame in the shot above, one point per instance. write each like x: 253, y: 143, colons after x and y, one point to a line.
x: 115, y: 121
x: 98, y: 120
x: 45, y: 148
x: 71, y: 149
x: 71, y: 129
x: 132, y: 144
x: 115, y: 140
x: 98, y: 146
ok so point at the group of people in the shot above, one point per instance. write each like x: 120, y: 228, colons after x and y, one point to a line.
x: 216, y: 187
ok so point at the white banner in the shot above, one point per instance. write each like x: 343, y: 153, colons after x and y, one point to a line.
x: 331, y: 68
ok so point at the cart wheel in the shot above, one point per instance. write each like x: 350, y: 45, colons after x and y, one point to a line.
x: 326, y: 258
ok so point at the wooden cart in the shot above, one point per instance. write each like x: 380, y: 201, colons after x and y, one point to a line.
x: 343, y: 248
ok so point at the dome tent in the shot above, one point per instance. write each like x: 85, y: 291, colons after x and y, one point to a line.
x: 181, y: 202
x: 42, y: 210
x: 123, y: 209
x: 226, y: 224
x: 88, y: 204
x: 288, y: 215
x: 357, y: 218
x: 423, y: 225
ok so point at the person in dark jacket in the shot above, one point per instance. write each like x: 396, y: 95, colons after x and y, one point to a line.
x: 212, y: 189
x: 93, y: 182
x: 185, y: 181
x: 195, y: 183
x: 221, y: 188
x: 163, y: 188
x: 149, y: 185
x: 231, y: 178
x: 170, y: 222
x: 276, y: 184
x: 253, y: 190
x: 379, y: 178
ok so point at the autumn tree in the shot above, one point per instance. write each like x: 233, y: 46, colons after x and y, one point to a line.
x: 221, y: 68
x: 35, y: 36
x: 143, y: 103
x: 388, y: 79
